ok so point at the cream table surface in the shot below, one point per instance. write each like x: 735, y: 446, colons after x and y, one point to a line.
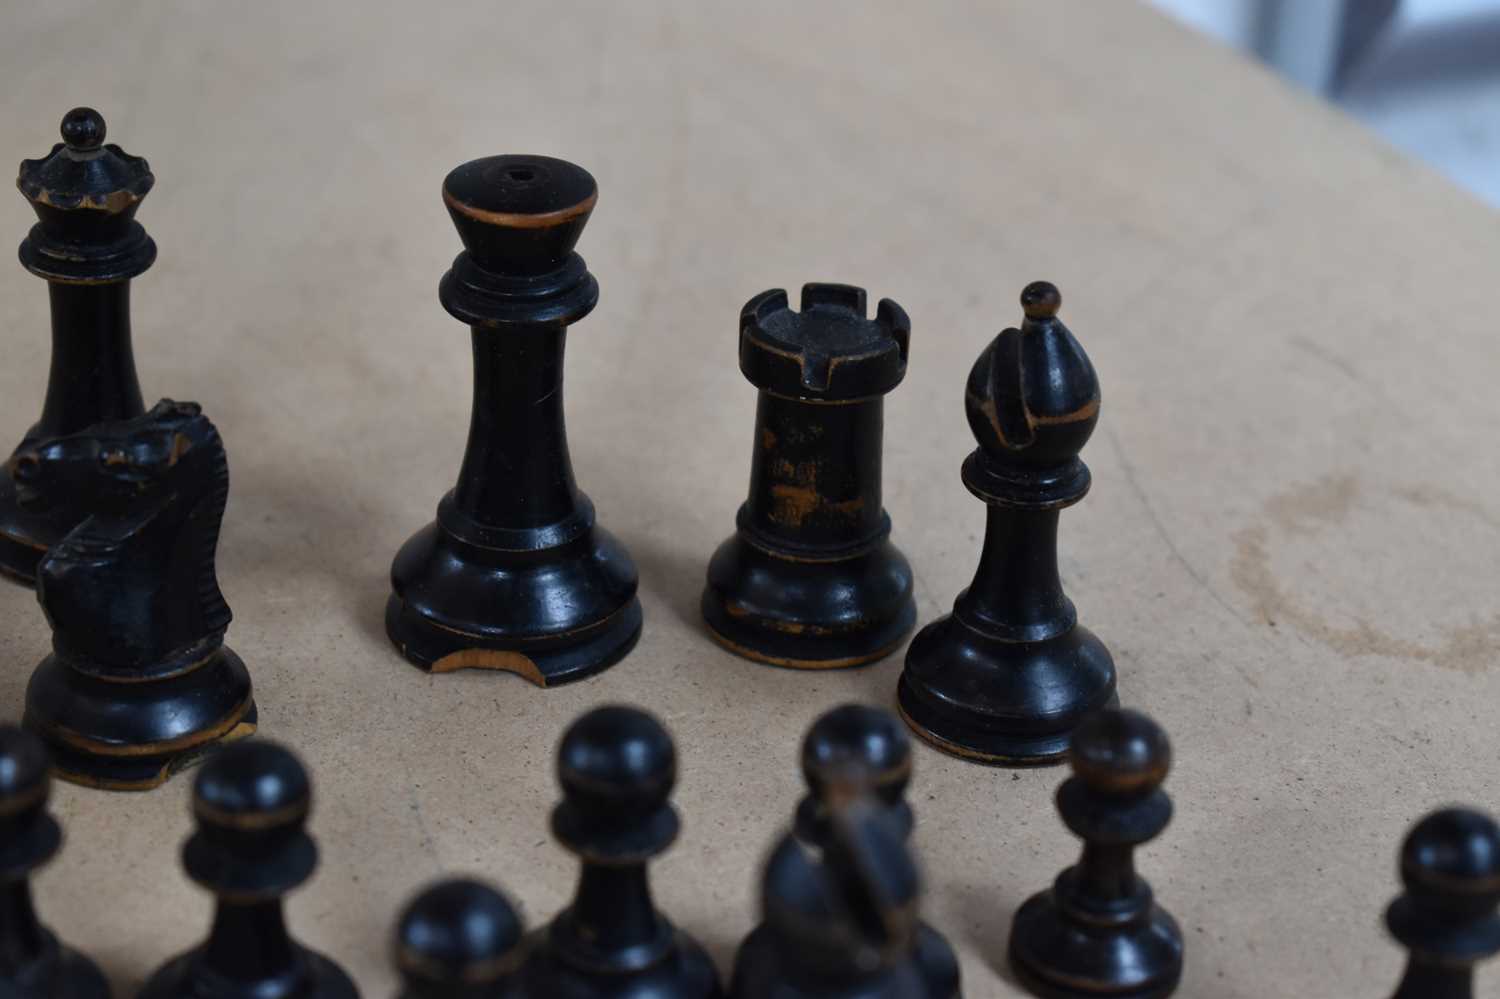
x: 1290, y: 547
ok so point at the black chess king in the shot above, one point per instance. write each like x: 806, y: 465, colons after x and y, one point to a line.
x: 514, y: 575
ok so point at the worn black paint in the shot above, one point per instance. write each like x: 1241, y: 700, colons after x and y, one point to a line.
x: 139, y: 682
x: 1447, y: 918
x: 514, y: 574
x: 810, y: 578
x: 87, y: 245
x: 1098, y: 932
x: 617, y: 767
x: 33, y: 964
x: 250, y: 848
x: 1006, y: 677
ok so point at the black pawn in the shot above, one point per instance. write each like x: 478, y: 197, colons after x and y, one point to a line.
x: 1446, y: 919
x: 1006, y: 677
x: 458, y: 939
x: 1098, y: 930
x: 617, y: 767
x: 866, y: 748
x: 33, y: 965
x: 514, y: 574
x: 838, y: 918
x: 251, y: 847
x: 87, y: 246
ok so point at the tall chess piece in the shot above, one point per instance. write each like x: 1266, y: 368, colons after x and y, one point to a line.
x: 87, y: 246
x: 1006, y: 677
x: 1098, y: 932
x: 139, y: 683
x: 251, y: 848
x: 458, y: 939
x: 617, y: 766
x: 514, y: 575
x: 810, y: 578
x: 33, y: 965
x: 839, y: 918
x: 1447, y: 917
x: 866, y: 749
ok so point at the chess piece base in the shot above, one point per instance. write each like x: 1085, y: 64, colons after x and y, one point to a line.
x: 60, y: 971
x: 803, y: 613
x: 551, y: 615
x: 685, y: 973
x: 135, y: 736
x: 183, y: 978
x: 1006, y: 703
x: 1057, y: 959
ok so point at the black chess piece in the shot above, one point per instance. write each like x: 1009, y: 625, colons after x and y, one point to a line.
x: 866, y: 748
x: 810, y: 578
x: 514, y: 574
x: 1098, y: 931
x: 1446, y: 918
x: 839, y: 917
x: 616, y: 766
x: 1006, y: 677
x: 251, y: 848
x: 87, y: 246
x: 139, y: 683
x: 458, y: 939
x: 33, y: 964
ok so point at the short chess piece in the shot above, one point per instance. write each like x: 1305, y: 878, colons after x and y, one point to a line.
x: 250, y: 849
x: 1446, y: 918
x: 1098, y: 932
x: 617, y: 767
x: 33, y: 964
x: 810, y: 578
x: 867, y: 748
x: 514, y: 574
x: 139, y: 683
x: 1006, y: 677
x: 458, y: 939
x: 838, y: 917
x: 87, y: 246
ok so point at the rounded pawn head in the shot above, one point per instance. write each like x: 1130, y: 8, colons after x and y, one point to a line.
x: 617, y: 767
x: 860, y: 747
x: 83, y: 129
x: 28, y: 835
x: 1450, y: 864
x: 458, y: 938
x: 251, y: 800
x: 1120, y: 752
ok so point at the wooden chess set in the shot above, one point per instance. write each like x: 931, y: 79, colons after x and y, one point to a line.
x: 113, y: 512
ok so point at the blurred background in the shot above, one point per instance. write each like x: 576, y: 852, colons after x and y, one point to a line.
x: 1425, y: 74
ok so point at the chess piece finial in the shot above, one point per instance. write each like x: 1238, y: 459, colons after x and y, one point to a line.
x: 810, y: 578
x: 1446, y: 918
x: 87, y: 245
x: 839, y: 917
x: 33, y: 964
x: 139, y: 683
x: 458, y: 939
x: 251, y: 847
x: 1098, y: 931
x: 514, y: 574
x: 617, y: 767
x: 1006, y: 677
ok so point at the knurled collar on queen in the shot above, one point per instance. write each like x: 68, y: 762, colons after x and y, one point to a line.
x: 519, y: 218
x: 85, y: 195
x: 827, y: 352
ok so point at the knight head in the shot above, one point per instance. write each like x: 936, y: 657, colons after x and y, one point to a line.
x: 110, y: 467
